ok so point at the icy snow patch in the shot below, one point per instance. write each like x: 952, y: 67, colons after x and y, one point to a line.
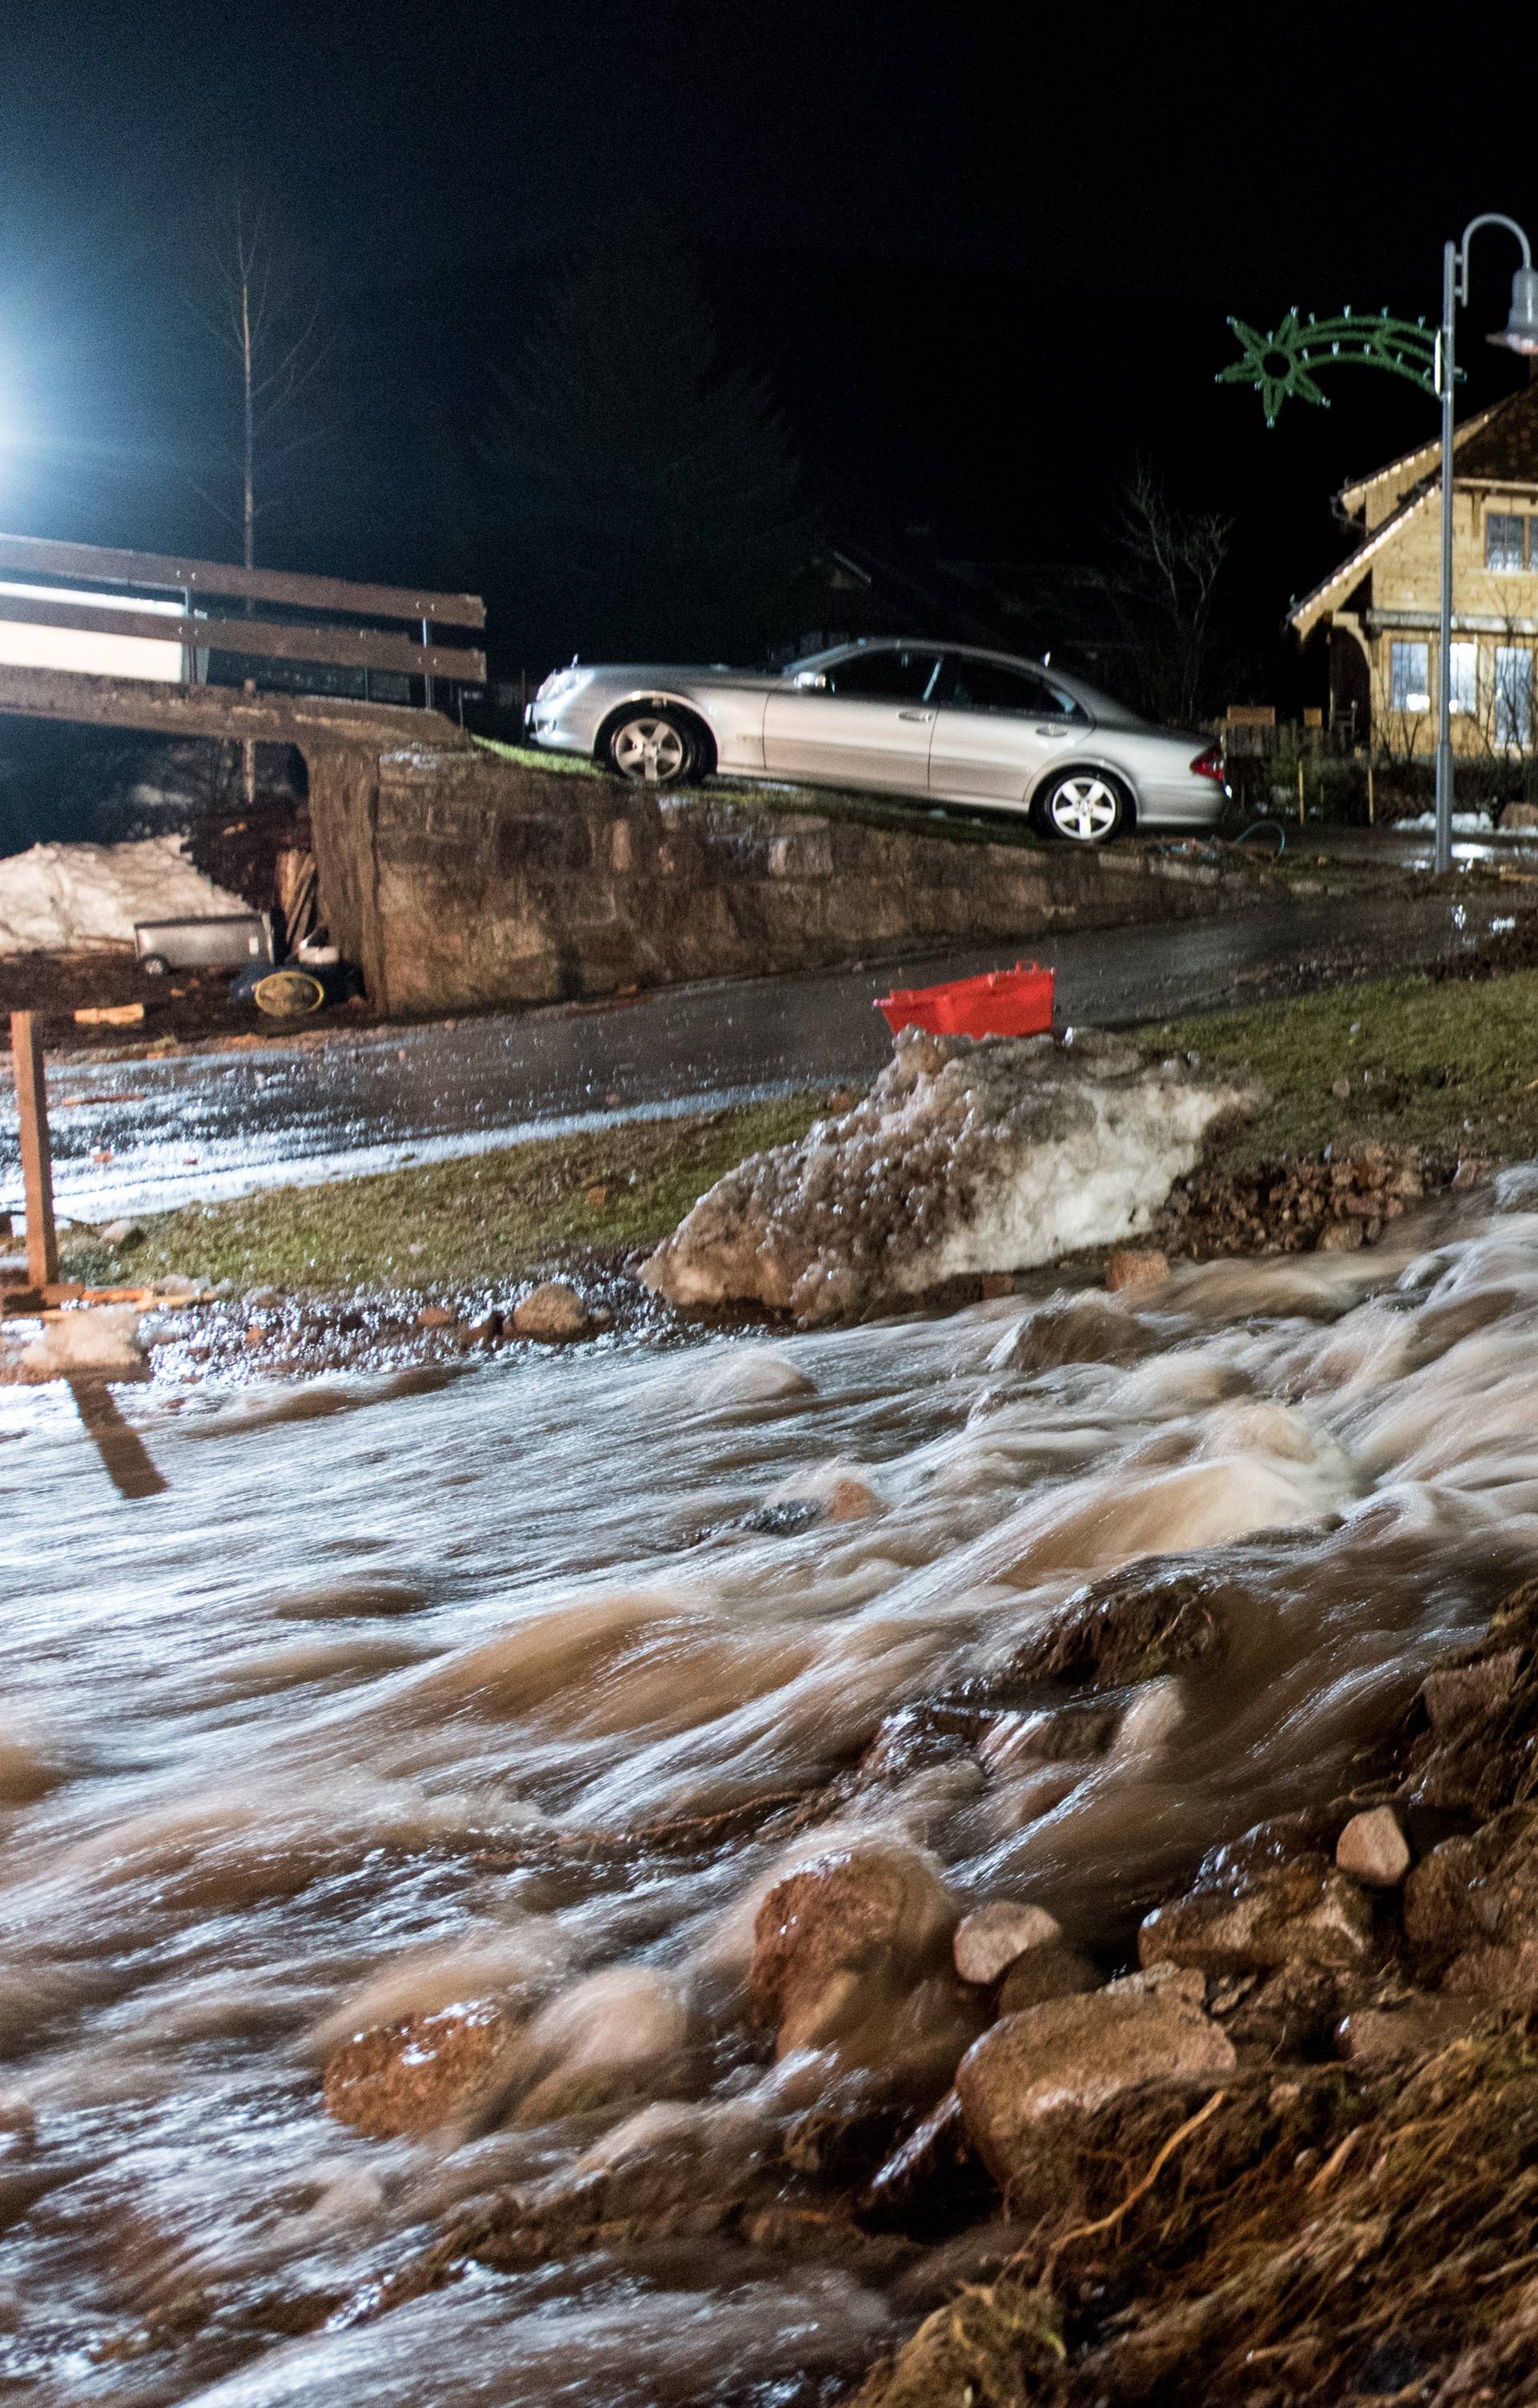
x: 967, y: 1155
x: 62, y: 899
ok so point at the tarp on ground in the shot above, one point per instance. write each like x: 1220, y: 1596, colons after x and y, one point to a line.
x: 72, y: 898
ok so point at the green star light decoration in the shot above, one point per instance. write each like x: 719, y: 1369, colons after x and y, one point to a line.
x: 1288, y: 361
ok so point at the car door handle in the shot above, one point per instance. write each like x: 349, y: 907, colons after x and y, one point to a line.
x: 1057, y: 729
x: 915, y: 714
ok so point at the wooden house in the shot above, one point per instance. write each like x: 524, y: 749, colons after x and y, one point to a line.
x: 1378, y: 610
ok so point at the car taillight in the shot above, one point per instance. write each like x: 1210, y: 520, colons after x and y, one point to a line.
x: 1209, y: 763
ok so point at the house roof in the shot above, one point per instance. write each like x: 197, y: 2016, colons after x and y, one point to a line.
x: 1305, y: 616
x: 1498, y: 446
x: 1498, y: 443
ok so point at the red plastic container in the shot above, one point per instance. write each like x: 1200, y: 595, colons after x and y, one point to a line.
x: 1000, y: 1003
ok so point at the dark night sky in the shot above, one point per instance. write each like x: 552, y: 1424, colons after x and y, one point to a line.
x: 984, y: 269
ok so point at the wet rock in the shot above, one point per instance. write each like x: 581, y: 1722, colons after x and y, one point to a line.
x: 849, y: 1500
x: 1082, y: 1329
x: 1412, y: 2026
x: 1471, y: 1910
x: 622, y: 2034
x: 1052, y: 1971
x: 553, y: 1313
x: 841, y: 1944
x: 967, y: 1156
x: 415, y: 2076
x: 1373, y: 1849
x: 751, y: 1375
x: 1287, y: 2014
x: 1132, y: 1626
x: 1135, y: 1270
x: 1339, y: 1238
x: 1306, y: 1912
x: 988, y: 1940
x: 1075, y: 2055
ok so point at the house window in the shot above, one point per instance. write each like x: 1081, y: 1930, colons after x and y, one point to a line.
x: 1513, y: 697
x: 1410, y: 677
x: 1504, y: 540
x: 1463, y: 692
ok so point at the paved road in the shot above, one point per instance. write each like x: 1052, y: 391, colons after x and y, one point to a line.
x: 220, y: 1124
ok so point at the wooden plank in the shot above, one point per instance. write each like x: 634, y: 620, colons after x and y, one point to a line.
x: 312, y: 720
x: 27, y: 1053
x: 353, y: 648
x: 101, y: 565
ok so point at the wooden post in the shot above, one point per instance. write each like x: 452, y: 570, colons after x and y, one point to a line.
x: 1370, y: 787
x: 1300, y: 790
x: 27, y: 1053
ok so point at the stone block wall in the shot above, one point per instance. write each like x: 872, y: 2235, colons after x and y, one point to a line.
x: 464, y: 881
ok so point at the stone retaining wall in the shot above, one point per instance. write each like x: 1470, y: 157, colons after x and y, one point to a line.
x: 462, y: 880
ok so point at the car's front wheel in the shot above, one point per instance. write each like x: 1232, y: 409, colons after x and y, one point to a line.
x: 651, y: 748
x: 1087, y: 807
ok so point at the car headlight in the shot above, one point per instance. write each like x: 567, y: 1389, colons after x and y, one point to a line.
x: 559, y: 683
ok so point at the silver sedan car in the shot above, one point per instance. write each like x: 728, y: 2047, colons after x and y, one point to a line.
x: 949, y: 723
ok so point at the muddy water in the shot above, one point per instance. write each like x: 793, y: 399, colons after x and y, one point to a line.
x: 361, y: 1714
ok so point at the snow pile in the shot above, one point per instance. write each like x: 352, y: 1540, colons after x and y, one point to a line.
x: 967, y: 1155
x: 67, y: 898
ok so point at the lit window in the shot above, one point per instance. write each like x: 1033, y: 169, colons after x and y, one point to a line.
x: 1513, y: 696
x: 1504, y: 540
x: 1410, y: 677
x: 1465, y: 689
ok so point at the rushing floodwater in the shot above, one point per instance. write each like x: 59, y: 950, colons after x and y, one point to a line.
x: 283, y: 1743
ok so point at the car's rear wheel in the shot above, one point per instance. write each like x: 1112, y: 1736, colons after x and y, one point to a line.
x: 1087, y: 807
x: 649, y: 747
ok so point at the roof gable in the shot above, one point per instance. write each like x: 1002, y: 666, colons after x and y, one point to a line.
x: 1500, y: 443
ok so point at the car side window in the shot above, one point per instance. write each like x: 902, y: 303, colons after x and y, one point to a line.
x: 999, y: 685
x: 892, y: 673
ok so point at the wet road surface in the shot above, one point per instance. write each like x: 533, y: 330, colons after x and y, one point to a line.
x: 145, y: 1136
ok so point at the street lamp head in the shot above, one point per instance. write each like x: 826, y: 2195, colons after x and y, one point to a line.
x: 1520, y: 333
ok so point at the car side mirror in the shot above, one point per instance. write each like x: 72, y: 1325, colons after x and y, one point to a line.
x: 812, y: 680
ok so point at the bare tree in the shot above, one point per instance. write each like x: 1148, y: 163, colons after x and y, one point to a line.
x: 1163, y: 596
x: 258, y: 307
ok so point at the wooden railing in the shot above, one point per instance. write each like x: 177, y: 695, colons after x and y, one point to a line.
x: 331, y: 638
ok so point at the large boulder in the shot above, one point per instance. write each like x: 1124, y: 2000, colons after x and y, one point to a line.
x: 1075, y: 2056
x: 967, y: 1156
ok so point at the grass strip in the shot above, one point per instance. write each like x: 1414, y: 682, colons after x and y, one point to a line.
x: 1445, y: 1065
x: 487, y: 1216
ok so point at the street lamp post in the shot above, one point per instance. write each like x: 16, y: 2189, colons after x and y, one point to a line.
x: 1520, y: 334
